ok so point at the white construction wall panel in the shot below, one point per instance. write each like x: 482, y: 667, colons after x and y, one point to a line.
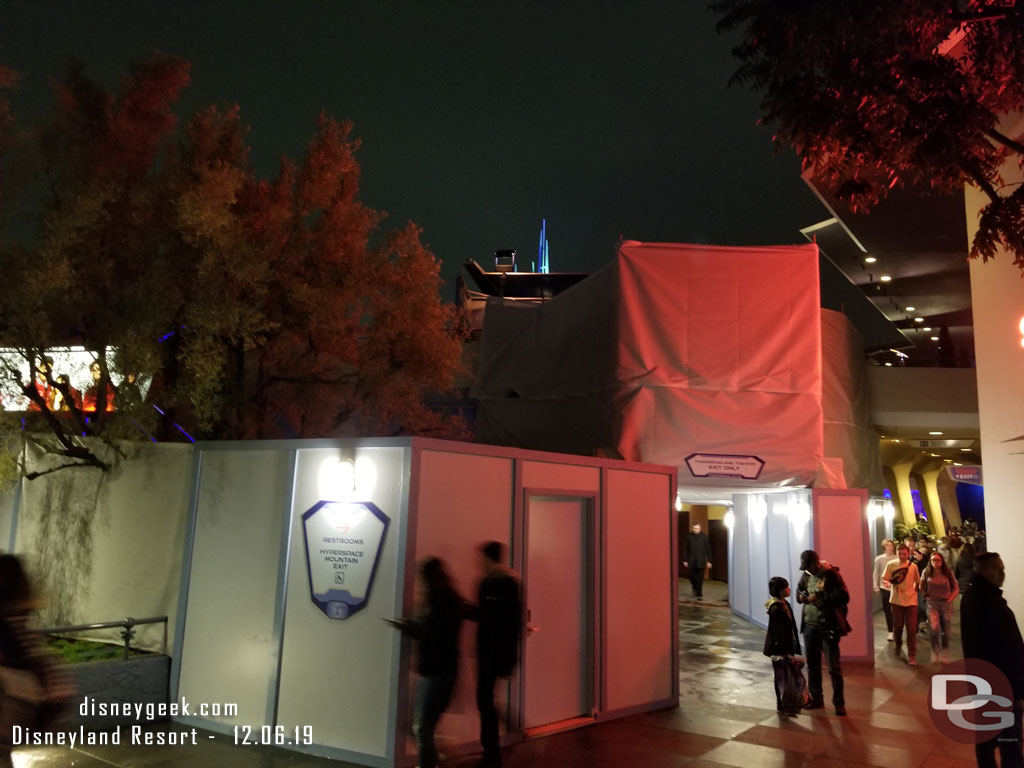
x: 230, y: 649
x: 107, y: 545
x: 640, y: 588
x: 336, y: 674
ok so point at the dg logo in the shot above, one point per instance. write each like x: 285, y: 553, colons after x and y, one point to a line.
x: 971, y: 701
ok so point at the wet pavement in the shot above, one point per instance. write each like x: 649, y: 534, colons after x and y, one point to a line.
x: 726, y: 717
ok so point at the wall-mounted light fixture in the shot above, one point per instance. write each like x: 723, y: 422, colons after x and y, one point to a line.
x: 347, y: 477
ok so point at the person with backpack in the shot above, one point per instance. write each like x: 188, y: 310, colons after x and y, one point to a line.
x: 824, y: 596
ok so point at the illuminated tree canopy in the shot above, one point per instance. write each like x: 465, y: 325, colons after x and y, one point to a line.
x: 251, y: 308
x: 874, y: 95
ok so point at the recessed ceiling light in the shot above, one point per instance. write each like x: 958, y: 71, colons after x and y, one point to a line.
x: 926, y: 329
x: 948, y: 461
x: 934, y: 454
x: 888, y: 365
x: 870, y: 259
x: 934, y: 338
x: 957, y: 464
x: 918, y: 319
x: 885, y: 278
x: 911, y: 309
x: 934, y: 433
x: 965, y: 450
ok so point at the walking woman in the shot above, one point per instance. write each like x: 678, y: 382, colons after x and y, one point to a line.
x: 939, y: 587
x: 436, y: 632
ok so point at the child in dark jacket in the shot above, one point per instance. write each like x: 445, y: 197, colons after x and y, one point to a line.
x: 782, y: 640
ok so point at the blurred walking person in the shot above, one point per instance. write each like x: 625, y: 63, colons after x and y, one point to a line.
x: 499, y: 615
x: 436, y: 632
x: 34, y: 689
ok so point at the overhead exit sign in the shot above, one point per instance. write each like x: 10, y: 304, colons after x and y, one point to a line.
x: 724, y: 465
x: 943, y: 443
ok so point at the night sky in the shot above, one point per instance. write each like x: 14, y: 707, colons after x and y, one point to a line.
x: 477, y: 118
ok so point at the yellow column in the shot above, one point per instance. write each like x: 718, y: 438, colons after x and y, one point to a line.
x: 906, y: 500
x: 931, y: 488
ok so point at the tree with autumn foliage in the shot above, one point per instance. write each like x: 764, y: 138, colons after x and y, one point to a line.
x: 874, y: 95
x: 252, y: 308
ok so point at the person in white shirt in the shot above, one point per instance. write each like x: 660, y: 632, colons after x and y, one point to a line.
x: 904, y: 582
x: 887, y: 556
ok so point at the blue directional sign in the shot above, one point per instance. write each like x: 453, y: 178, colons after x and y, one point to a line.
x: 343, y: 541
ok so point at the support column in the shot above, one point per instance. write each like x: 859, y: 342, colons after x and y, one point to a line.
x: 906, y: 500
x: 997, y: 296
x: 931, y: 489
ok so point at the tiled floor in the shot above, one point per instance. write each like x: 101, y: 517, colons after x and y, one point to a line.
x: 726, y: 717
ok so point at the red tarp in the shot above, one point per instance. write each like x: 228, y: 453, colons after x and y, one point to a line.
x: 671, y: 351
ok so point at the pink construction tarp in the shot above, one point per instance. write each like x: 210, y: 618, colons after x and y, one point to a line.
x: 703, y: 357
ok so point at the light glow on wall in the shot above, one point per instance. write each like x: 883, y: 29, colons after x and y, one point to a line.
x: 888, y: 512
x: 1021, y: 329
x: 757, y: 509
x: 799, y: 513
x: 729, y: 519
x: 347, y: 478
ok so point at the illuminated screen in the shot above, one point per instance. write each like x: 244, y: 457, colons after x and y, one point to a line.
x: 73, y: 362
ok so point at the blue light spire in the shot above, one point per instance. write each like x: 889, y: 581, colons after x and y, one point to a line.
x: 542, y: 249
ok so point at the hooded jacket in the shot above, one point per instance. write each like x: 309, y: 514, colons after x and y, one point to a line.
x: 782, y: 638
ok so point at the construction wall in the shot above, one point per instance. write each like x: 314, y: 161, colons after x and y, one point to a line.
x: 107, y: 545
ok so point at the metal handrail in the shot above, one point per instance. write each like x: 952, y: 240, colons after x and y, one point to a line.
x: 127, y: 633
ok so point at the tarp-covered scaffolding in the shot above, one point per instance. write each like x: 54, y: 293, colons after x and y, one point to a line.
x: 704, y: 357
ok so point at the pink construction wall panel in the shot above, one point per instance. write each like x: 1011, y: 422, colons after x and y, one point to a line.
x: 841, y: 537
x: 639, y: 586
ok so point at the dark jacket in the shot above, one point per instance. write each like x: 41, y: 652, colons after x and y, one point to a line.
x: 697, y: 551
x: 989, y: 631
x: 782, y: 638
x: 499, y: 616
x: 437, y: 637
x: 835, y: 597
x: 964, y: 571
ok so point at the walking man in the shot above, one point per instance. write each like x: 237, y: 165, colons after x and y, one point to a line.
x: 824, y: 596
x: 904, y: 582
x: 499, y: 623
x: 697, y: 557
x: 989, y: 631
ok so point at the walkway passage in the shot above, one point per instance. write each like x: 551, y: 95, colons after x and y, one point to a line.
x: 726, y: 717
